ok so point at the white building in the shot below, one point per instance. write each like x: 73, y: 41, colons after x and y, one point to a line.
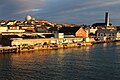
x: 93, y: 30
x: 105, y: 34
x: 118, y: 35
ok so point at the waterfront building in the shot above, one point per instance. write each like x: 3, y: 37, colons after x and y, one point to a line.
x: 73, y: 32
x: 59, y: 35
x: 3, y: 29
x: 10, y: 29
x: 106, y: 24
x: 118, y: 35
x: 2, y: 22
x: 27, y: 28
x: 106, y: 34
x: 53, y: 30
x: 11, y: 22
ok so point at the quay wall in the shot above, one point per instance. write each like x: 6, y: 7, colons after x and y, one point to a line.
x: 45, y: 40
x: 51, y: 43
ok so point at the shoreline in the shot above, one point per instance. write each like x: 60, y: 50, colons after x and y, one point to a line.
x: 43, y: 47
x: 49, y: 47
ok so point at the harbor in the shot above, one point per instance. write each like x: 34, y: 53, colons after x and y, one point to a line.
x: 23, y: 46
x: 18, y: 46
x: 59, y: 40
x: 33, y: 35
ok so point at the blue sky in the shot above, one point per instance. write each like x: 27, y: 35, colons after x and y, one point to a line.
x: 62, y: 11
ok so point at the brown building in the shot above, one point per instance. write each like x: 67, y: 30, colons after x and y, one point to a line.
x: 73, y: 31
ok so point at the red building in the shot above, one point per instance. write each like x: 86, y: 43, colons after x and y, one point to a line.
x: 73, y: 31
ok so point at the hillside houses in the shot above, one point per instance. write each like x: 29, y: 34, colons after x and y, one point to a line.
x: 32, y: 25
x: 98, y: 31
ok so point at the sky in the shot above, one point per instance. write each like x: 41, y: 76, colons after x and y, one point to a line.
x: 62, y: 11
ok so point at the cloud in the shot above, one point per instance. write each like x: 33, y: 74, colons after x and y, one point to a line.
x: 21, y: 6
x: 91, y: 5
x: 31, y: 3
x: 60, y: 10
x: 30, y: 6
x: 27, y: 11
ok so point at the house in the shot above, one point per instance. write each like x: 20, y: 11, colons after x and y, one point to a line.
x: 118, y: 35
x: 28, y: 28
x: 13, y: 27
x: 73, y: 32
x: 53, y: 29
x: 100, y: 25
x: 103, y: 26
x: 106, y: 34
x: 93, y: 30
x: 11, y: 22
x: 10, y: 29
x: 3, y: 28
x: 118, y: 28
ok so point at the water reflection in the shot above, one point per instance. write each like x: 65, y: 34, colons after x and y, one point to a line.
x: 98, y: 62
x: 5, y: 66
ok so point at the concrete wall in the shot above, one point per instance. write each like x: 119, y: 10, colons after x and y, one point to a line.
x: 45, y: 40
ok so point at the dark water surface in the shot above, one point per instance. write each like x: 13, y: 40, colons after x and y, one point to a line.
x: 98, y: 62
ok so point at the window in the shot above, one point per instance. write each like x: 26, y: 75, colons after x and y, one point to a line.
x: 113, y: 34
x: 104, y: 34
x: 109, y: 34
x: 101, y: 34
x: 98, y: 34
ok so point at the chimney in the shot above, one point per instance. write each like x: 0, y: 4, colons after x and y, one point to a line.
x: 107, y: 19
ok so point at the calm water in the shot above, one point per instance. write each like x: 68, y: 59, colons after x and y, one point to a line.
x: 98, y: 62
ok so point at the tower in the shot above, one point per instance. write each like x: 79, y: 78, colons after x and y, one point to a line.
x: 107, y: 19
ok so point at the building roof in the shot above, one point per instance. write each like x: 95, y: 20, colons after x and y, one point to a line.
x: 106, y: 31
x: 100, y: 24
x: 70, y: 25
x: 53, y: 29
x: 118, y: 28
x: 69, y: 29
